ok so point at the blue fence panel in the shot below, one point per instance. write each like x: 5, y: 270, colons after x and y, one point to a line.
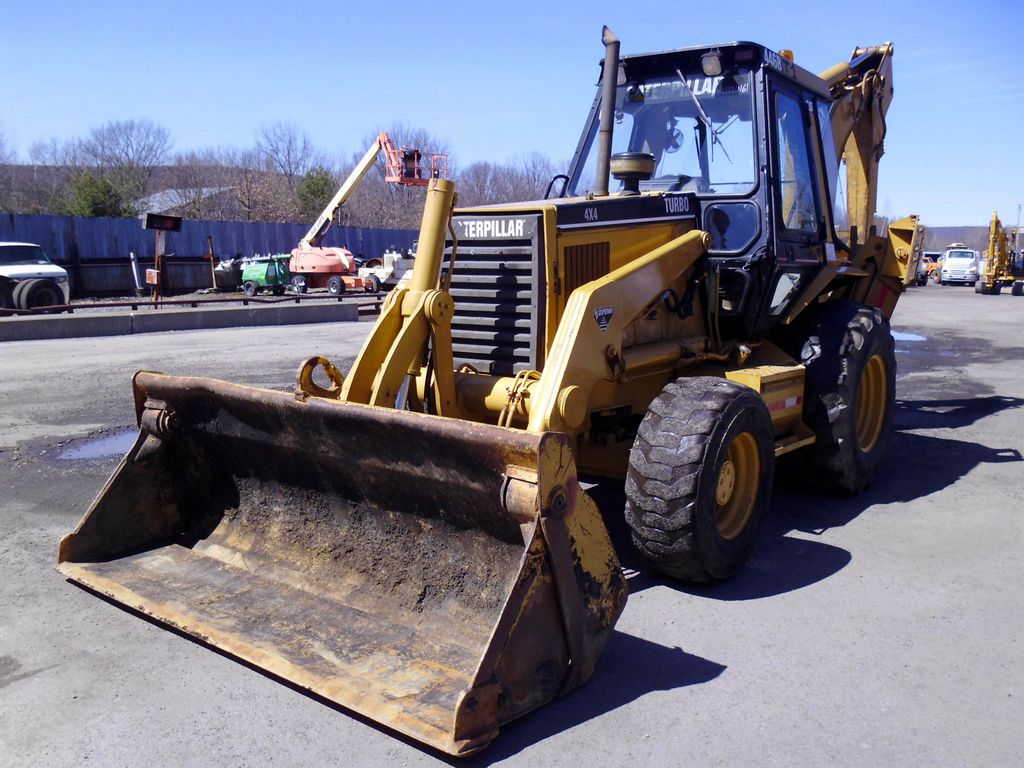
x: 95, y: 250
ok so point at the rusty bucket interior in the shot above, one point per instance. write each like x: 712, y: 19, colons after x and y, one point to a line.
x: 437, y: 576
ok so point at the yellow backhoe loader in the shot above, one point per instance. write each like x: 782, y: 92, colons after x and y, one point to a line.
x: 410, y: 540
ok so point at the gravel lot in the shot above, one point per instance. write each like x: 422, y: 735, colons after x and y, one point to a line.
x: 878, y: 630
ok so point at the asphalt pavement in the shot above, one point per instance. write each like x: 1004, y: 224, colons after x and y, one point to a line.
x: 878, y: 630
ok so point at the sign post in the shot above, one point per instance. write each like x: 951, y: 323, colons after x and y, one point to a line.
x: 162, y: 224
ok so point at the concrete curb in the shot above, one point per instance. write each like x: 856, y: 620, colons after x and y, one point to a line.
x: 152, y: 321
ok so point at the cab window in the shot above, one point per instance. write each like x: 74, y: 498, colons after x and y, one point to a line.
x: 797, y: 209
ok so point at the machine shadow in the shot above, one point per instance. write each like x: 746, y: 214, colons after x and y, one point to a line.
x: 623, y: 675
x: 781, y: 562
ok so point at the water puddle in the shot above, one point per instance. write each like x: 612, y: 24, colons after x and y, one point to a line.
x: 900, y: 336
x: 112, y: 444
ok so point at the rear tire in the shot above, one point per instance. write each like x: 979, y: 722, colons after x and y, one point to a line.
x: 700, y: 478
x: 250, y: 288
x: 375, y: 285
x: 1017, y: 289
x: 849, y: 391
x: 335, y: 286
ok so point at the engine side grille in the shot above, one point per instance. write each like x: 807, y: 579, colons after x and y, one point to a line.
x: 498, y: 288
x: 584, y: 263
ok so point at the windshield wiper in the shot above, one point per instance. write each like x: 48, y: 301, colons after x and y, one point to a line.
x: 703, y: 115
x: 707, y: 120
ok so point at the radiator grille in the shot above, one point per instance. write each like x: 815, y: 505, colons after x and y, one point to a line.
x: 498, y: 288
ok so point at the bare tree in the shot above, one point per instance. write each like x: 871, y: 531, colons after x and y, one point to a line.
x: 127, y: 152
x: 476, y: 184
x: 260, y: 193
x: 47, y: 185
x: 8, y: 196
x: 128, y: 144
x: 289, y: 151
x: 200, y: 183
x: 530, y: 175
x: 524, y: 178
x: 7, y: 155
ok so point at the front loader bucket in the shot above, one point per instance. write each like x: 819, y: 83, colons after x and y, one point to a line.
x: 438, y: 576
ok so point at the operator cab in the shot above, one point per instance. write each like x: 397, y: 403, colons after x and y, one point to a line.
x: 746, y: 133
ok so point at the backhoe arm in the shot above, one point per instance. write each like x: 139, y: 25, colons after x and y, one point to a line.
x: 861, y: 92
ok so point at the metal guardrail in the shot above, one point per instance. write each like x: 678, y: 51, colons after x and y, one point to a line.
x: 365, y: 307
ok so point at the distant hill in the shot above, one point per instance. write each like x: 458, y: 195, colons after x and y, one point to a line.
x: 937, y: 238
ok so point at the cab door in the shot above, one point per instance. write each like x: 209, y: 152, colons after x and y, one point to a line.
x: 795, y: 191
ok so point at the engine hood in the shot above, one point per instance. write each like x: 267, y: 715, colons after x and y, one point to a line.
x: 29, y: 271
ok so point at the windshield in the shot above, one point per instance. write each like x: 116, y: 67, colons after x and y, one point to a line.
x: 11, y: 255
x: 700, y: 132
x: 960, y: 255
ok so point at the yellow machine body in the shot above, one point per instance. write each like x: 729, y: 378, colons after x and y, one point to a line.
x: 410, y: 539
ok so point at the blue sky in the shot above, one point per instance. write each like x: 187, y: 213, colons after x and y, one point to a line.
x: 496, y: 81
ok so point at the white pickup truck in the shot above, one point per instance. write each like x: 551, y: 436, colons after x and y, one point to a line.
x: 960, y: 264
x: 28, y: 279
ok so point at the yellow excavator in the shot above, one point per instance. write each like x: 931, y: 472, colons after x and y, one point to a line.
x: 1000, y: 264
x: 411, y: 539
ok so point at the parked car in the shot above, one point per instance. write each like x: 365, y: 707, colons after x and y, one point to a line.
x: 28, y: 279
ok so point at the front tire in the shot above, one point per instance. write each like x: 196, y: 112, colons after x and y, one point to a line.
x: 37, y: 293
x: 849, y: 394
x: 335, y: 286
x: 700, y: 478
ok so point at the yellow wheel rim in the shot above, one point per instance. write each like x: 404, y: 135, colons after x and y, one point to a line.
x: 871, y: 400
x: 736, y: 489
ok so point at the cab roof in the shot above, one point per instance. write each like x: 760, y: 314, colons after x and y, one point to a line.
x: 738, y: 52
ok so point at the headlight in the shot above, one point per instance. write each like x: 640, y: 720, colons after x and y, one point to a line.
x: 60, y: 279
